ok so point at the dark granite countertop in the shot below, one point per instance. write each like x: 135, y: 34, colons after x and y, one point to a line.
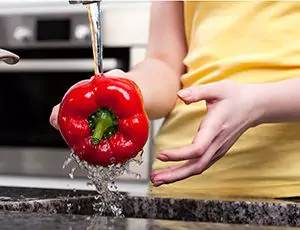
x: 53, y: 205
x: 29, y: 221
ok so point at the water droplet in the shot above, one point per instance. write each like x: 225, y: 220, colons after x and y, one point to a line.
x: 67, y: 162
x: 138, y: 176
x: 69, y: 206
x: 71, y: 174
x: 112, y: 160
x: 89, y: 184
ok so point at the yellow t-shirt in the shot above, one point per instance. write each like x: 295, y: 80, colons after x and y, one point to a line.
x: 249, y: 42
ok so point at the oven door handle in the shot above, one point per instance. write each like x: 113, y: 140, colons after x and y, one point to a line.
x: 60, y: 65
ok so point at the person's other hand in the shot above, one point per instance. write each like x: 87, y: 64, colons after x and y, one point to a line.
x: 55, y: 110
x: 231, y: 110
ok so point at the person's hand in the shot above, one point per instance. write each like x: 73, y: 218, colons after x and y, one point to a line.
x: 55, y: 110
x: 231, y: 111
x: 53, y: 116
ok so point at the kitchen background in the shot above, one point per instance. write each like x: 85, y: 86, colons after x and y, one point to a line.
x: 53, y: 41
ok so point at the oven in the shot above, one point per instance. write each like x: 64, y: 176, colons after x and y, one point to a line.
x: 55, y: 51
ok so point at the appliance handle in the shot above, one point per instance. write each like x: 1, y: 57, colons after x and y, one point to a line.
x: 59, y: 65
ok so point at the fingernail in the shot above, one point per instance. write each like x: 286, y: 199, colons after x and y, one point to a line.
x: 153, y: 174
x: 158, y: 183
x: 163, y: 157
x: 185, y: 93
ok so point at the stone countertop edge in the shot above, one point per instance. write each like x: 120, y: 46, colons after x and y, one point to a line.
x: 216, y: 211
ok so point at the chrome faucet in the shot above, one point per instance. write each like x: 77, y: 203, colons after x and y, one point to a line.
x: 96, y: 23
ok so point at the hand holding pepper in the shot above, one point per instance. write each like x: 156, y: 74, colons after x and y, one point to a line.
x: 103, y: 120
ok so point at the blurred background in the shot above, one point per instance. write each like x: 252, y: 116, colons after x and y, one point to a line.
x: 53, y: 41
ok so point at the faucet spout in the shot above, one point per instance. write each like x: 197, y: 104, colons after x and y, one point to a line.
x: 84, y: 2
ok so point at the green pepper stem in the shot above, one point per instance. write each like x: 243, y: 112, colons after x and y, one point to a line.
x: 104, y: 120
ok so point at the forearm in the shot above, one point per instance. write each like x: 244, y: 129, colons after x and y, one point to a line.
x: 159, y: 84
x: 279, y: 101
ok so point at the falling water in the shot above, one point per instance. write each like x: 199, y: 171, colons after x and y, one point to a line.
x: 107, y: 201
x: 95, y: 19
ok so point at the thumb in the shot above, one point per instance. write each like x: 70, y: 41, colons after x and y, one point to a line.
x: 115, y: 73
x: 198, y: 93
x: 54, y: 116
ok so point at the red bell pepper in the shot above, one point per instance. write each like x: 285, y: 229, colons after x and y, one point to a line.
x: 103, y: 120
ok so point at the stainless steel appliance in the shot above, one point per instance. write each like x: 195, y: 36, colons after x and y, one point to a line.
x: 54, y: 45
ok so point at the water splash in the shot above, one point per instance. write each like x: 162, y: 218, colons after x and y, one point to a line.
x: 100, y: 177
x: 103, y: 180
